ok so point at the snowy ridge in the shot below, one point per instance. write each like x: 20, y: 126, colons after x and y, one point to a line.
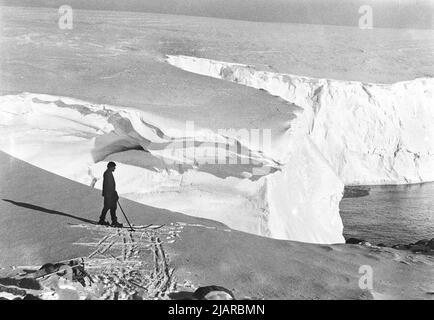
x: 369, y: 133
x: 297, y: 199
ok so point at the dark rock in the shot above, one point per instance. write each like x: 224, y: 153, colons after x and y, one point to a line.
x: 354, y: 241
x: 423, y: 242
x: 356, y: 192
x: 422, y: 246
x: 418, y: 248
x: 46, y: 269
x: 381, y: 245
x: 431, y: 244
x: 30, y: 297
x: 25, y: 283
x: 401, y: 247
x: 213, y: 293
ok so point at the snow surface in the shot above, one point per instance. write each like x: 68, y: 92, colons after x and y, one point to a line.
x: 118, y: 59
x: 369, y: 133
x: 42, y: 222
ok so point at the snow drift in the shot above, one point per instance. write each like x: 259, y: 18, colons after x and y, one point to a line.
x: 286, y: 192
x: 369, y: 133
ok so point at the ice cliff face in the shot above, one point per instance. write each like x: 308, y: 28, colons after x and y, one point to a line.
x: 369, y: 133
x: 286, y: 192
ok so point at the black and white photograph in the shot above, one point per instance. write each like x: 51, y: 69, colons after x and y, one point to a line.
x: 244, y: 150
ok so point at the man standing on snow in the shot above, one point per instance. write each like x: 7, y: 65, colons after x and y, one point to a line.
x: 110, y: 196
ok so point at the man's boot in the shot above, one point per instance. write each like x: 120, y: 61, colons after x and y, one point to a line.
x: 116, y: 224
x: 103, y: 222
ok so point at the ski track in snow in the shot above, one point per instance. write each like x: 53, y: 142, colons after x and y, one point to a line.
x: 121, y: 265
x: 132, y: 263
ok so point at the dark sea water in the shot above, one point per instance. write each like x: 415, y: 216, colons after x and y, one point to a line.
x: 389, y: 214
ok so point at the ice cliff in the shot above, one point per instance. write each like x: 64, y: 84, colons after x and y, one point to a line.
x: 369, y: 133
x: 286, y: 192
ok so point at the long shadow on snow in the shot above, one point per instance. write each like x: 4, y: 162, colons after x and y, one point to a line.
x: 41, y: 209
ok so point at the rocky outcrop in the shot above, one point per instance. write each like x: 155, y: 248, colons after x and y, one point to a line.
x: 425, y: 246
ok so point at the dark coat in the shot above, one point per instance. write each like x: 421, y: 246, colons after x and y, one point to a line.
x: 109, y: 189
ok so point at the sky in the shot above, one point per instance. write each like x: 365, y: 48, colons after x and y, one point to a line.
x: 386, y: 13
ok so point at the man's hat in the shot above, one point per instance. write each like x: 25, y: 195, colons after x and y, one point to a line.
x: 111, y: 164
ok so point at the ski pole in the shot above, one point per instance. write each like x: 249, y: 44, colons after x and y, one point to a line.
x: 125, y: 216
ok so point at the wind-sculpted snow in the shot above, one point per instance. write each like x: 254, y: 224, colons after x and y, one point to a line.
x: 287, y: 191
x: 369, y: 133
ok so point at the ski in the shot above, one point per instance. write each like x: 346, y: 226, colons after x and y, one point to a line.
x: 135, y: 227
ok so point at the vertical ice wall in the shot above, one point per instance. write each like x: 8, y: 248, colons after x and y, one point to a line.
x: 297, y: 200
x: 303, y: 198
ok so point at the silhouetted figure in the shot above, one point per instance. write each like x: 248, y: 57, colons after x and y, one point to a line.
x: 110, y: 196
